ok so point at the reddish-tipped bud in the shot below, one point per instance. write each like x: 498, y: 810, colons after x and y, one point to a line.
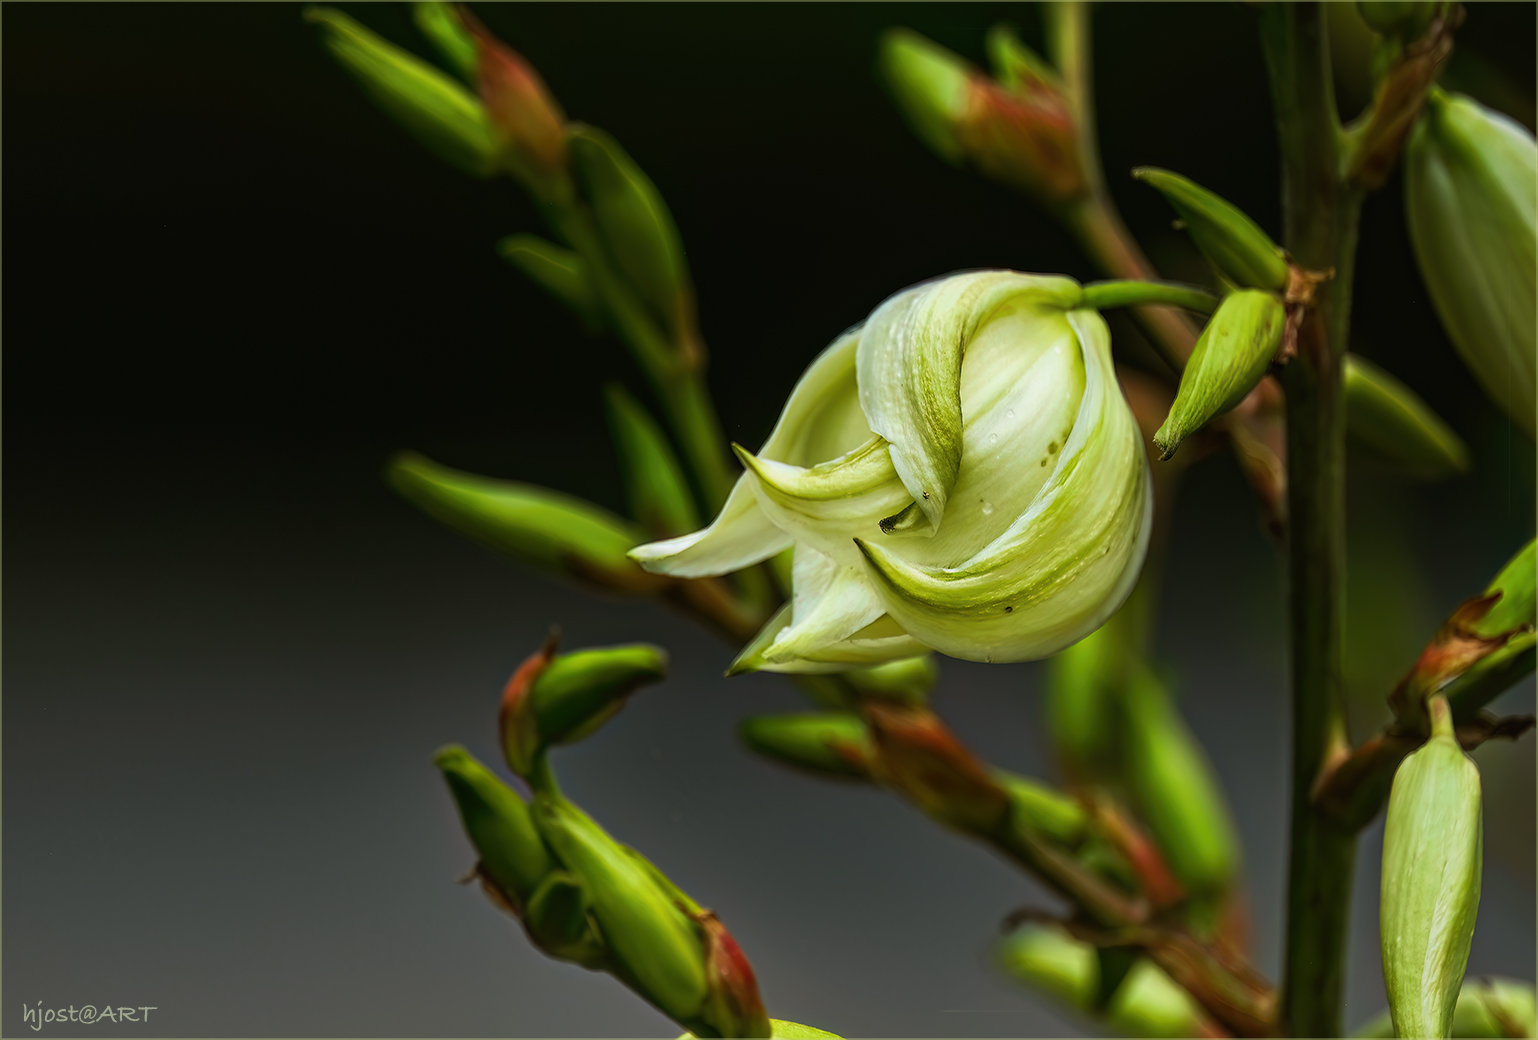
x: 523, y: 113
x: 1020, y: 132
x: 732, y: 1004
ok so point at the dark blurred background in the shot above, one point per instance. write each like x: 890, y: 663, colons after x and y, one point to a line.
x: 233, y: 288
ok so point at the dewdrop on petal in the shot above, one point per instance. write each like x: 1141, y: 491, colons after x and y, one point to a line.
x: 961, y: 473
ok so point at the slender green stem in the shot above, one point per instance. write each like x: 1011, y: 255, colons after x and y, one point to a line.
x: 1128, y: 293
x: 1320, y: 216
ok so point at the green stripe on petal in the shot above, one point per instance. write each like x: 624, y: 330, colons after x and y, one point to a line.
x: 1064, y: 565
x: 909, y: 371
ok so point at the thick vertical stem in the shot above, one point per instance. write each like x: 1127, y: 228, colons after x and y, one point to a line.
x: 1320, y: 216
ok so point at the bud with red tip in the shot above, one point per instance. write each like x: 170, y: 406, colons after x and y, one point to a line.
x: 1018, y: 131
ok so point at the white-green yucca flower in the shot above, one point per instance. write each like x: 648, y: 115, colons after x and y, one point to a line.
x: 960, y: 473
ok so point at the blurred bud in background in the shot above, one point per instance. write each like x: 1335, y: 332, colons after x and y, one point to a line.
x: 1389, y: 418
x: 1471, y: 197
x: 1017, y: 129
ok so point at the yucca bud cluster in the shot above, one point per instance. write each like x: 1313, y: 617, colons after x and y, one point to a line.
x: 580, y: 895
x: 1471, y: 177
x: 960, y: 473
x: 1432, y: 854
x: 1015, y: 127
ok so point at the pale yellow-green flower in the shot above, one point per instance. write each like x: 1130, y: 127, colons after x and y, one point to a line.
x: 960, y: 473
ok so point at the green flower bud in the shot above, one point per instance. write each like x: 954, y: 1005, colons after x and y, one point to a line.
x: 634, y: 222
x: 527, y: 120
x: 552, y: 531
x: 908, y: 680
x: 1406, y: 19
x: 960, y: 474
x: 932, y: 87
x: 557, y: 920
x: 1389, y: 418
x: 1470, y: 177
x: 1230, y: 357
x: 654, y: 941
x: 1145, y: 1002
x: 1082, y: 682
x: 512, y: 855
x: 560, y: 272
x: 442, y: 25
x: 828, y: 744
x: 1043, y: 809
x: 1226, y: 236
x: 654, y: 481
x: 1176, y: 788
x: 1518, y: 605
x: 1432, y: 852
x: 439, y: 112
x: 1019, y: 132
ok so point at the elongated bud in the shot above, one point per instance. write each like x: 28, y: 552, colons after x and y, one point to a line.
x: 1019, y: 132
x: 1432, y: 852
x: 555, y: 532
x: 1052, y: 961
x: 733, y: 1006
x: 653, y: 939
x: 1389, y: 418
x: 1081, y: 686
x: 831, y: 745
x: 557, y: 921
x: 654, y: 480
x: 527, y: 120
x: 433, y: 108
x: 1471, y: 176
x: 560, y: 699
x: 908, y: 680
x: 1043, y: 809
x: 1176, y: 788
x: 560, y: 272
x: 1230, y: 357
x: 1406, y: 19
x: 1222, y: 231
x: 443, y: 26
x: 635, y: 223
x: 513, y: 857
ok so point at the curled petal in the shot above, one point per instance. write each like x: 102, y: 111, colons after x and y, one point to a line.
x: 740, y: 537
x: 909, y: 362
x: 1065, y: 565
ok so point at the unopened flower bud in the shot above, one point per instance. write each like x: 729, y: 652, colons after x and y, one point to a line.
x: 1406, y: 19
x: 557, y: 920
x: 635, y: 224
x: 1489, y: 1007
x: 1230, y: 357
x: 654, y: 480
x: 1390, y: 419
x: 439, y: 112
x: 826, y: 743
x: 560, y: 699
x: 555, y: 532
x: 443, y: 25
x: 733, y: 1006
x: 513, y: 857
x: 1043, y: 809
x: 959, y: 474
x: 1432, y: 853
x: 1176, y: 788
x: 1081, y: 686
x: 527, y: 120
x: 560, y: 272
x: 909, y: 679
x: 1020, y: 132
x: 653, y: 940
x: 1224, y: 233
x: 1471, y: 177
x: 1050, y: 960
